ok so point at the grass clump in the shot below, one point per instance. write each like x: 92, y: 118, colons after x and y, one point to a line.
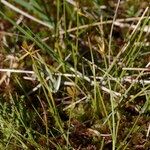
x: 74, y: 75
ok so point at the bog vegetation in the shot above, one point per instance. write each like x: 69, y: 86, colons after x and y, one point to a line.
x: 74, y: 74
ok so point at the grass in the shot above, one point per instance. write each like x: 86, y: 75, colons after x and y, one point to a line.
x: 74, y: 75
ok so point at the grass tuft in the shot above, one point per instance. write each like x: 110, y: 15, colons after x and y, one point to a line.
x: 74, y: 75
